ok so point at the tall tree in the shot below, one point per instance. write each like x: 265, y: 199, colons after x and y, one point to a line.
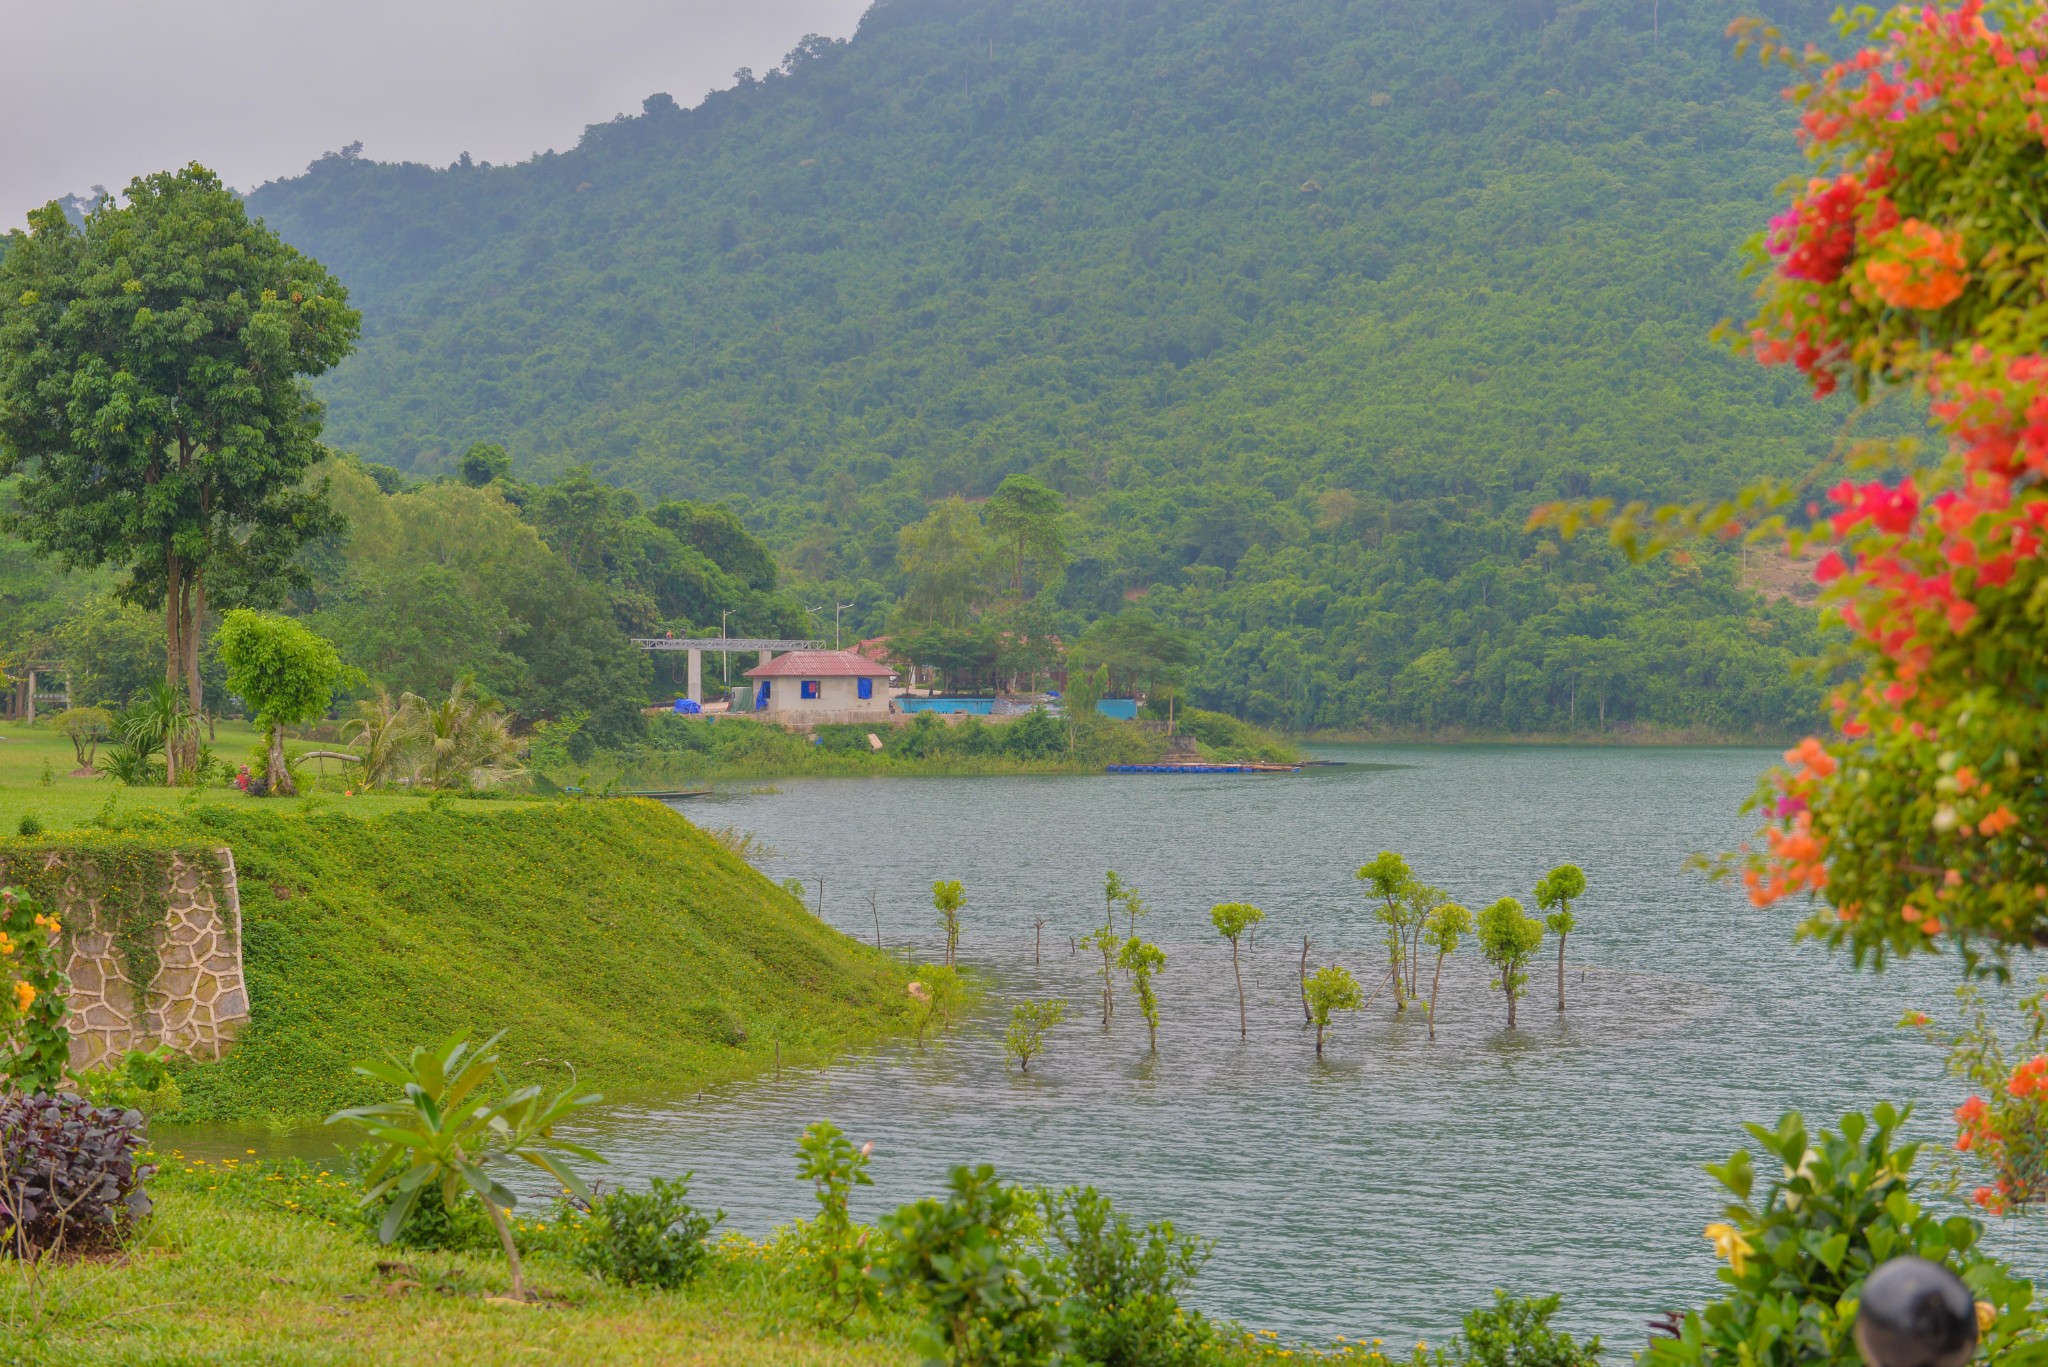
x: 1555, y: 893
x: 1447, y: 923
x: 948, y: 897
x: 153, y: 398
x: 1025, y: 516
x: 942, y: 558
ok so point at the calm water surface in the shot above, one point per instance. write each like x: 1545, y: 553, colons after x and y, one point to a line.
x: 1384, y: 1190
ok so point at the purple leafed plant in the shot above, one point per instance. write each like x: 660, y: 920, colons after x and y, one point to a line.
x: 69, y: 1179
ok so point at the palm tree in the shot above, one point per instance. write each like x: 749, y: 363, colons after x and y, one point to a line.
x: 465, y: 740
x: 386, y: 730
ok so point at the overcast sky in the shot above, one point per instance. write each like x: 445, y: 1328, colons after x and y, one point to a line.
x: 99, y: 91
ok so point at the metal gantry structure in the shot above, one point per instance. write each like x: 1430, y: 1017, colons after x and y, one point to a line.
x: 762, y: 646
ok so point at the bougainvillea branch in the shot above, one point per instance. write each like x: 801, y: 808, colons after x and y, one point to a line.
x: 1916, y: 258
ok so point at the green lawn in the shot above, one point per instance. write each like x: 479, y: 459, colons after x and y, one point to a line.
x: 29, y: 754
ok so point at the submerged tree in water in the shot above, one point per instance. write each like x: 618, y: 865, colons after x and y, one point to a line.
x: 1331, y: 989
x: 948, y: 897
x: 1105, y: 940
x: 1232, y: 920
x: 1508, y: 937
x: 1555, y: 893
x: 1029, y: 1022
x: 1139, y: 962
x: 1388, y: 878
x: 1447, y: 924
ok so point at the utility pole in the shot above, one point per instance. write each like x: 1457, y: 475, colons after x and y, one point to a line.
x: 725, y: 655
x: 835, y: 623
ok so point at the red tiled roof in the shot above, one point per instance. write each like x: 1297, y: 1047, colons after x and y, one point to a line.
x: 819, y: 664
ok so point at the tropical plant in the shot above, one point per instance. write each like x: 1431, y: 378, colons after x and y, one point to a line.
x: 70, y: 1177
x: 185, y: 462
x: 1330, y: 989
x: 285, y: 673
x: 1134, y: 907
x: 1447, y: 923
x: 1140, y: 961
x: 1409, y: 916
x: 386, y: 734
x: 1029, y: 1022
x: 2002, y: 1128
x: 1508, y: 937
x: 986, y: 1301
x: 650, y: 1238
x: 835, y: 1249
x: 1120, y: 1285
x: 32, y: 990
x: 1233, y: 919
x: 1835, y: 1206
x: 948, y: 898
x: 1389, y: 878
x: 447, y: 1132
x: 937, y: 992
x: 1106, y: 942
x: 1555, y: 893
x: 466, y: 741
x: 86, y: 728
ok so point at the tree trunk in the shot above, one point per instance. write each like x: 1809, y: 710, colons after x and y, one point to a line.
x: 174, y: 651
x: 511, y: 1250
x: 1560, y: 974
x: 1319, y: 1039
x: 1238, y: 973
x: 1306, y: 1017
x: 1507, y: 982
x: 1394, y: 965
x: 280, y: 776
x: 195, y: 692
x: 1434, y: 984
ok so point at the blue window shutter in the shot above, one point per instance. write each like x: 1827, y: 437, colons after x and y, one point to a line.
x: 867, y: 689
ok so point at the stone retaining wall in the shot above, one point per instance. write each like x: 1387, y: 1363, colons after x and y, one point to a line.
x: 195, y: 1000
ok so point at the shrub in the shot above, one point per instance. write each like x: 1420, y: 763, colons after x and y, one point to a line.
x: 834, y: 1248
x: 32, y: 986
x: 1121, y: 1285
x: 69, y: 1180
x: 958, y: 1259
x: 650, y: 1238
x: 1517, y: 1333
x: 140, y: 1081
x: 1797, y: 1258
x: 29, y: 825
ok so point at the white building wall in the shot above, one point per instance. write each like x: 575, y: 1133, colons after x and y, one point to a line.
x: 838, y: 699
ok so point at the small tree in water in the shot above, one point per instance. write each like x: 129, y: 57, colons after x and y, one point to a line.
x: 1025, y: 1039
x: 1508, y: 937
x: 1446, y: 925
x: 1232, y: 920
x: 1389, y: 878
x: 1331, y: 989
x: 937, y: 993
x: 1411, y: 916
x: 1140, y: 961
x: 949, y: 897
x: 1109, y: 943
x: 1555, y: 893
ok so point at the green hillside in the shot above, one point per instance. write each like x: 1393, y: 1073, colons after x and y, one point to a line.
x: 614, y: 937
x: 1300, y: 304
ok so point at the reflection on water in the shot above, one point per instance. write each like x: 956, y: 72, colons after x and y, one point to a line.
x: 1389, y: 1187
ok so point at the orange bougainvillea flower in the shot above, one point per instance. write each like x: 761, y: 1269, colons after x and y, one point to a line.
x: 48, y: 923
x: 2030, y: 1078
x: 1919, y: 267
x: 6, y: 945
x: 24, y: 996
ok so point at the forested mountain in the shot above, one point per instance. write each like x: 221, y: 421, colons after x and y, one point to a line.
x: 1301, y: 305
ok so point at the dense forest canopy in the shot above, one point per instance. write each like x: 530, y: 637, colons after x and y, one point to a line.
x: 1300, y: 305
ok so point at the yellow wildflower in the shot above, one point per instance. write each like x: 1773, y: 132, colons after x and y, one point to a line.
x: 1729, y: 1244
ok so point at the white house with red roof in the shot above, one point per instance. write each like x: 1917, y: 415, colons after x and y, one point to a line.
x: 808, y: 687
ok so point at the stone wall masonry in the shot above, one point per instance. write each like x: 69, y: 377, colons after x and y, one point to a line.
x: 196, y: 999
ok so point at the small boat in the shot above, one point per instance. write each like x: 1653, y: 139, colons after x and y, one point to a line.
x: 669, y: 795
x: 1197, y: 768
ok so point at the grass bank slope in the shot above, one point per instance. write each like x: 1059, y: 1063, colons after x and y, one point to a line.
x: 613, y: 936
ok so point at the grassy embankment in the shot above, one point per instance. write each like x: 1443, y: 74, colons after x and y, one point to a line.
x: 681, y: 749
x: 612, y: 936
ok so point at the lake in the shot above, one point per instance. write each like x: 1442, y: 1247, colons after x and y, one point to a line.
x: 1385, y: 1190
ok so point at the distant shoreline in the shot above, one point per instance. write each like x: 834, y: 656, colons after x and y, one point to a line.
x: 1631, y: 738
